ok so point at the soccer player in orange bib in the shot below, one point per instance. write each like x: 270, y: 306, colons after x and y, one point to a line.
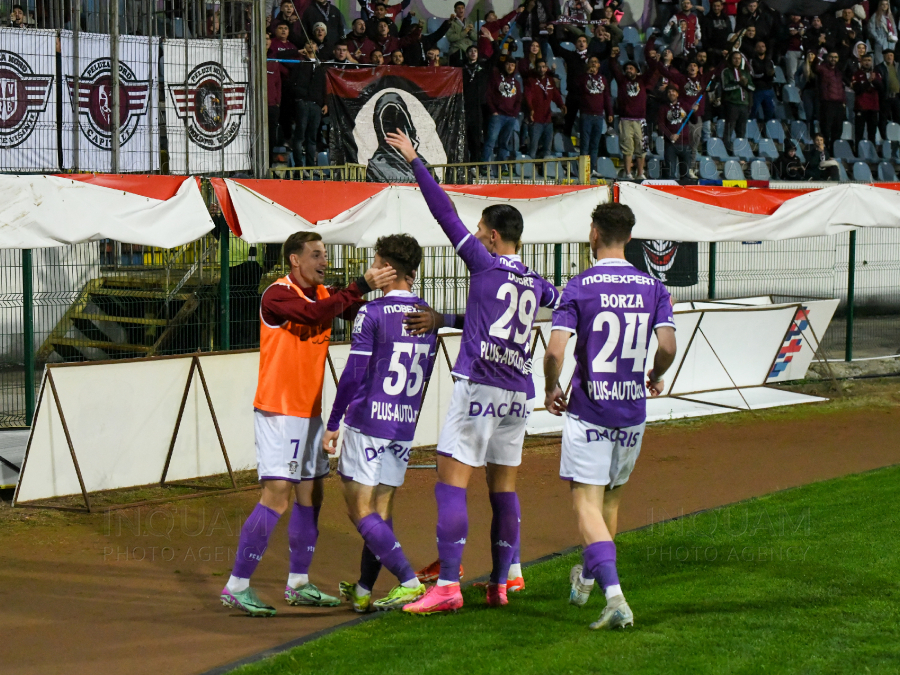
x: 295, y: 314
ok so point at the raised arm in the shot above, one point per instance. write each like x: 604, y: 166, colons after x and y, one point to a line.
x: 473, y: 254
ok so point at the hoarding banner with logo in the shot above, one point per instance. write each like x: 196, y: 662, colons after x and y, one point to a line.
x: 672, y: 262
x: 425, y: 103
x: 27, y: 100
x: 90, y: 97
x: 207, y: 105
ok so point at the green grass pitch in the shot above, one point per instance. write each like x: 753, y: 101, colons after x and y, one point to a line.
x: 802, y: 581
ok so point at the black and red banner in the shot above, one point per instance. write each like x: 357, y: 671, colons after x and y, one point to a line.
x: 672, y: 262
x: 424, y: 103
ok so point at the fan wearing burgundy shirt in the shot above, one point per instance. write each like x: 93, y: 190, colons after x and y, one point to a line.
x: 540, y: 92
x: 632, y: 105
x: 504, y: 98
x: 595, y: 101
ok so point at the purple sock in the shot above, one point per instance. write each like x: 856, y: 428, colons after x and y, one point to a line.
x: 302, y: 536
x: 254, y: 540
x: 380, y: 540
x: 600, y: 561
x: 515, y: 556
x: 452, y: 529
x: 504, y: 534
x: 369, y: 565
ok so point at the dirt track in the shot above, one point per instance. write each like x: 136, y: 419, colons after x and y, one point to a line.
x: 77, y: 598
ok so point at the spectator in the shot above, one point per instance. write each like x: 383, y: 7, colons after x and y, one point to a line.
x: 868, y: 87
x: 806, y: 80
x: 595, y: 101
x: 540, y: 92
x: 665, y: 10
x: 491, y: 30
x: 243, y: 287
x: 691, y: 26
x: 387, y: 43
x: 17, y: 17
x: 882, y: 30
x: 322, y: 11
x: 763, y: 72
x: 854, y: 63
x: 319, y: 35
x: 574, y: 17
x: 761, y: 20
x: 475, y: 81
x: 788, y: 166
x: 601, y: 44
x: 889, y: 70
x: 504, y: 97
x: 281, y: 48
x: 536, y: 21
x: 672, y: 120
x: 342, y: 58
x: 850, y: 26
x: 576, y: 65
x: 822, y: 166
x: 716, y: 26
x: 308, y: 85
x: 380, y: 13
x: 419, y: 45
x: 433, y: 57
x: 376, y: 57
x: 832, y: 104
x: 816, y: 38
x: 397, y: 57
x: 528, y: 63
x: 287, y: 12
x: 747, y: 43
x: 631, y: 96
x: 609, y: 22
x: 275, y: 72
x: 737, y: 83
x: 460, y: 35
x: 358, y: 42
x: 381, y: 10
x: 793, y: 54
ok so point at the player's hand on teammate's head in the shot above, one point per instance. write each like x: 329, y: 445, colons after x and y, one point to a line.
x: 555, y: 401
x: 655, y: 388
x: 379, y: 277
x: 423, y: 321
x: 330, y: 441
x: 401, y: 141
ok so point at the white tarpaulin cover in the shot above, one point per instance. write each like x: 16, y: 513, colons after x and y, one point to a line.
x: 138, y: 104
x: 39, y: 211
x: 367, y: 211
x: 672, y: 214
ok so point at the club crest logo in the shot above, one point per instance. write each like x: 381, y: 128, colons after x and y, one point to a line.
x: 212, y: 103
x: 632, y: 89
x: 692, y: 88
x: 292, y: 467
x: 508, y: 88
x: 595, y: 85
x: 94, y: 102
x: 23, y: 97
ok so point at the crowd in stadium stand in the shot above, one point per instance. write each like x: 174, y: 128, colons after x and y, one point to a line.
x: 735, y: 92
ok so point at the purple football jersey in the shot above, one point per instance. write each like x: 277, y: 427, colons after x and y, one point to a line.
x: 611, y: 307
x: 503, y: 301
x: 382, y: 384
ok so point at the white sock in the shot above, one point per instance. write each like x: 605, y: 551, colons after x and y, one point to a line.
x: 444, y: 582
x: 613, y: 591
x: 237, y: 584
x: 362, y: 592
x: 515, y: 571
x: 297, y: 580
x: 586, y: 582
x: 411, y: 583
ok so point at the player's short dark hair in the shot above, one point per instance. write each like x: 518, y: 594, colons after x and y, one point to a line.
x: 402, y: 252
x: 295, y: 244
x: 507, y: 220
x: 613, y: 222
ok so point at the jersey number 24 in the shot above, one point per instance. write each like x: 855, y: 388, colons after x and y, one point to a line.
x: 634, y: 344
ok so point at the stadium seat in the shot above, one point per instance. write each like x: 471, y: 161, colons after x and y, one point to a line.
x: 631, y: 35
x: 886, y: 150
x: 606, y: 168
x: 322, y: 159
x: 742, y: 149
x: 444, y: 45
x: 775, y: 131
x: 558, y: 145
x: 767, y: 149
x: 708, y: 168
x: 862, y: 173
x: 719, y: 130
x: 612, y: 145
x: 753, y: 134
x: 867, y: 153
x: 790, y: 94
x: 567, y: 45
x: 847, y: 131
x: 842, y: 173
x: 759, y: 170
x: 843, y: 151
x: 893, y: 132
x: 800, y: 154
x: 800, y: 132
x: 733, y: 170
x: 886, y: 172
x: 654, y: 168
x: 614, y: 91
x: 779, y: 76
x: 660, y: 146
x: 434, y: 23
x: 715, y: 148
x: 782, y: 112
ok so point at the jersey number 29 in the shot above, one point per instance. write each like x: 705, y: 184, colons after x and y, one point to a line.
x: 392, y: 387
x: 526, y: 307
x: 634, y: 344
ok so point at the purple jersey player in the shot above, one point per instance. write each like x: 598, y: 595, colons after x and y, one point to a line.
x: 381, y: 391
x: 486, y: 420
x: 611, y: 308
